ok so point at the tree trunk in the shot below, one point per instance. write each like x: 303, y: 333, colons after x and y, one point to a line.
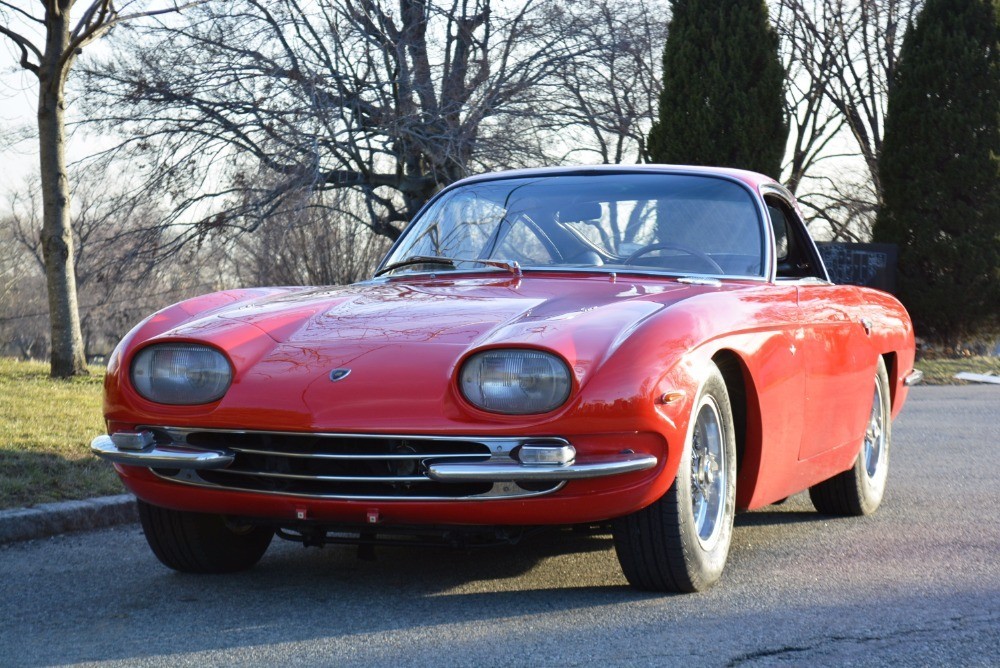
x: 57, y: 237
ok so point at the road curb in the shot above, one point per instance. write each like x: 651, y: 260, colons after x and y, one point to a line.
x: 50, y: 519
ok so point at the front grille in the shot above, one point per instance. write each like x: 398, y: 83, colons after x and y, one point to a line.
x: 354, y: 466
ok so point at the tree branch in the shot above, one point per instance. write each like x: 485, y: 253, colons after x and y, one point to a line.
x: 25, y: 14
x: 25, y: 46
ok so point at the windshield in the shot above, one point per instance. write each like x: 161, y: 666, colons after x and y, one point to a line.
x: 684, y: 224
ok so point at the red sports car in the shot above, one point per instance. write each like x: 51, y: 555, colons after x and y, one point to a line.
x: 650, y: 347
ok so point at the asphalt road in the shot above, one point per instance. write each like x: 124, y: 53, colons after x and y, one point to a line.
x: 916, y: 584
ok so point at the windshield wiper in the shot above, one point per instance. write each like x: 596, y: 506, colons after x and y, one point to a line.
x: 512, y: 266
x: 416, y: 259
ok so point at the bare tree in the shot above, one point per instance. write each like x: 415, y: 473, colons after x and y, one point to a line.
x: 841, y: 56
x: 11, y: 262
x: 814, y: 121
x: 322, y: 244
x: 611, y: 91
x: 244, y: 106
x: 47, y: 42
x: 840, y: 208
x: 117, y: 283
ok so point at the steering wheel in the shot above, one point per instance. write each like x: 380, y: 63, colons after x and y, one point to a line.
x: 649, y: 248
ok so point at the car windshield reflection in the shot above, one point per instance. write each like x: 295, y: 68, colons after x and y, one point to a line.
x: 664, y: 223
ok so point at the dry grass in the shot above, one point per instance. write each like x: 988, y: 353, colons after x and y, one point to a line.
x: 45, y: 430
x: 942, y: 370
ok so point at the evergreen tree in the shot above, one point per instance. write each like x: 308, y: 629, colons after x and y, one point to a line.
x: 723, y: 96
x: 939, y: 170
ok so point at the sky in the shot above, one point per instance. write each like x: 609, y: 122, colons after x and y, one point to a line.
x: 17, y: 104
x: 18, y: 136
x: 18, y: 99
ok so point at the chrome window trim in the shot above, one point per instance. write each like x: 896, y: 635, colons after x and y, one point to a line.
x: 556, y: 269
x: 785, y: 195
x: 803, y: 280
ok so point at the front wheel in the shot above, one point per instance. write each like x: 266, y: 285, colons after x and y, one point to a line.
x: 859, y: 490
x: 680, y: 543
x: 201, y: 543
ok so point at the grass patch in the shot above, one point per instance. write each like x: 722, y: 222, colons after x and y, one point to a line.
x: 942, y: 370
x: 45, y: 430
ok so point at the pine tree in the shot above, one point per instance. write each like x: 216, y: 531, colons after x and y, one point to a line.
x: 723, y: 96
x: 939, y: 170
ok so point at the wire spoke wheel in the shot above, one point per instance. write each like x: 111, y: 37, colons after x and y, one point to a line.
x: 859, y: 490
x: 709, y: 474
x: 681, y: 541
x: 875, y: 435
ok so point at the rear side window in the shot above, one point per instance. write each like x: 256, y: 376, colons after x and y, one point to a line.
x: 795, y: 257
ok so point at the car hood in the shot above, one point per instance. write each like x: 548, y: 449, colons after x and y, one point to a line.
x: 402, y: 340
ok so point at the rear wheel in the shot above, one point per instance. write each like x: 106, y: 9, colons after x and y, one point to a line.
x: 859, y: 490
x: 202, y: 543
x: 680, y: 543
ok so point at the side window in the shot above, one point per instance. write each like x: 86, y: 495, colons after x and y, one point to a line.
x: 794, y: 254
x: 780, y: 226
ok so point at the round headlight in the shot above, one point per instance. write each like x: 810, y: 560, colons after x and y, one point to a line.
x: 181, y: 373
x: 516, y: 382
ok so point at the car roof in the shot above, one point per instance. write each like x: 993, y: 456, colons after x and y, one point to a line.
x: 752, y: 179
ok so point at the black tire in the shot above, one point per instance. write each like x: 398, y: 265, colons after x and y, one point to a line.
x: 859, y: 490
x: 200, y: 543
x: 664, y: 547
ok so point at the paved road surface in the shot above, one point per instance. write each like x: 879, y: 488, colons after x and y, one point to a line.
x: 918, y: 583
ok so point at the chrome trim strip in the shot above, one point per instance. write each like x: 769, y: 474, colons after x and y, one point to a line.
x: 913, y: 378
x: 500, y: 491
x: 498, y: 443
x: 691, y: 280
x: 803, y: 280
x: 494, y: 472
x: 163, y: 456
x: 330, y: 478
x: 602, y: 270
x: 360, y: 455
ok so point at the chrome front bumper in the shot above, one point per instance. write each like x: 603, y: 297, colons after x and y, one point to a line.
x: 501, y: 472
x: 913, y: 378
x: 161, y: 456
x: 140, y: 449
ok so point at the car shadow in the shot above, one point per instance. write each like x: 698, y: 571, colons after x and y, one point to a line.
x: 762, y: 518
x: 329, y: 595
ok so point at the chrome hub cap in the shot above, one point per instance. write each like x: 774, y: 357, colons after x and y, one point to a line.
x: 874, y: 449
x: 708, y: 472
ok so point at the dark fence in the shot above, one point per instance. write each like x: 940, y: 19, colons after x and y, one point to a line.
x: 871, y: 265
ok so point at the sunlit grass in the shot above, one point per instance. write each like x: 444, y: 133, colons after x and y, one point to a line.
x: 45, y: 430
x: 941, y: 371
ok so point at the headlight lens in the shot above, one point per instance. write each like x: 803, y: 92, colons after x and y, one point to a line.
x: 181, y: 373
x: 516, y: 382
